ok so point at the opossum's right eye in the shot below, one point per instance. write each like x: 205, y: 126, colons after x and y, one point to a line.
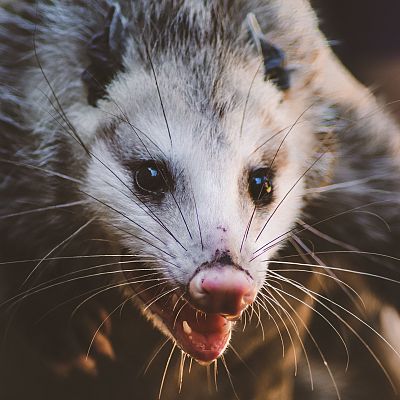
x: 149, y: 179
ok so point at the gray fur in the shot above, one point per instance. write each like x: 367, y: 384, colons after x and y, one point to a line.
x: 56, y: 149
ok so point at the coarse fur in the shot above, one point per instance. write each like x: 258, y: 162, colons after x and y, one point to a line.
x: 189, y: 93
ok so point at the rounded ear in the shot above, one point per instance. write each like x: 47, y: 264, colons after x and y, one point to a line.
x: 320, y: 76
x: 274, y: 59
x: 105, y: 51
x: 362, y: 141
x: 292, y: 27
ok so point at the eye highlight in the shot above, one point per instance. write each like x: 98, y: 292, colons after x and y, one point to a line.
x: 150, y: 179
x: 260, y: 186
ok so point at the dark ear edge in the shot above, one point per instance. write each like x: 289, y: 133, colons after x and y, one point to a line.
x: 105, y: 52
x: 275, y: 65
x: 274, y: 58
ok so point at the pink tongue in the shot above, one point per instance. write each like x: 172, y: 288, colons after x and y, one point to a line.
x: 202, y: 336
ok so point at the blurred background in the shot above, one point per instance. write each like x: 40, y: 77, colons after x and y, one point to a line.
x: 365, y: 34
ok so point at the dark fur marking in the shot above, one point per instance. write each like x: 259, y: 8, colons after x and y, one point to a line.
x: 274, y: 65
x: 105, y: 52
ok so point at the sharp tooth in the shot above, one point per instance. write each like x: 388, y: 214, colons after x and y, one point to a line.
x: 186, y: 328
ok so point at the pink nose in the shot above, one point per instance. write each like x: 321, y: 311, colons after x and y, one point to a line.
x: 225, y: 291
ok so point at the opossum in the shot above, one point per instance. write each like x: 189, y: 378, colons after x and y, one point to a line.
x: 202, y: 171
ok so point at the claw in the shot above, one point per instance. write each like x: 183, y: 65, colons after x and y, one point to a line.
x: 103, y: 346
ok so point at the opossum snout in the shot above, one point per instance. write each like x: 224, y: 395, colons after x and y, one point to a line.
x: 223, y: 290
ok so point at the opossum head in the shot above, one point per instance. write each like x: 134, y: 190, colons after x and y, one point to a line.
x: 197, y: 163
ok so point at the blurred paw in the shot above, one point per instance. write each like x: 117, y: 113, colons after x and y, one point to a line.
x: 83, y: 345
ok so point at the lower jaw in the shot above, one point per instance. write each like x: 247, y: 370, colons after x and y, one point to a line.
x: 204, y: 348
x: 204, y: 337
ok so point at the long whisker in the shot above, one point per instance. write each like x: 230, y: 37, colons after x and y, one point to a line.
x: 45, y: 170
x: 319, y: 261
x: 144, y: 241
x: 216, y: 375
x: 137, y: 131
x: 324, y: 275
x: 43, y: 209
x: 378, y: 217
x: 259, y: 323
x: 198, y: 221
x: 265, y: 308
x: 181, y: 370
x: 283, y: 237
x: 177, y: 314
x: 279, y: 277
x: 161, y: 281
x: 326, y: 237
x: 47, y: 285
x: 350, y: 271
x: 101, y: 325
x: 190, y: 365
x: 293, y: 323
x: 68, y: 178
x: 273, y: 137
x: 165, y: 371
x: 248, y: 98
x: 144, y: 207
x: 270, y: 169
x: 70, y: 237
x: 139, y: 261
x: 270, y: 301
x: 229, y: 376
x: 247, y: 230
x: 169, y: 132
x: 208, y: 369
x: 289, y: 191
x: 319, y: 295
x: 315, y: 296
x: 328, y: 368
x: 236, y: 353
x: 345, y: 185
x: 61, y: 258
x: 155, y: 355
x: 125, y: 119
x: 160, y: 297
x: 20, y: 298
x: 97, y: 291
x: 123, y: 215
x: 158, y: 92
x: 288, y: 133
x: 75, y: 135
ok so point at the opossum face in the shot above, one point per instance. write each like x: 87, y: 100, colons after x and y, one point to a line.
x: 207, y: 192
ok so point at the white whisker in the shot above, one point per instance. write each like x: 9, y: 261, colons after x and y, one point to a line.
x: 165, y: 371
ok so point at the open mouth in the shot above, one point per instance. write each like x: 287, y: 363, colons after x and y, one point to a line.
x: 202, y: 336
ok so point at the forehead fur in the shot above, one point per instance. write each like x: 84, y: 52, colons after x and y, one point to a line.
x: 204, y: 41
x: 202, y: 106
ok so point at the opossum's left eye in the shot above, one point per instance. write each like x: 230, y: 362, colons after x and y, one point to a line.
x: 150, y: 179
x: 260, y: 185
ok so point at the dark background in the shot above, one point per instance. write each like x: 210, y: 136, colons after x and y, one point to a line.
x: 365, y: 34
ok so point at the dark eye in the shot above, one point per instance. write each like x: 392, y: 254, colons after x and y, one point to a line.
x: 150, y: 179
x: 260, y: 185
